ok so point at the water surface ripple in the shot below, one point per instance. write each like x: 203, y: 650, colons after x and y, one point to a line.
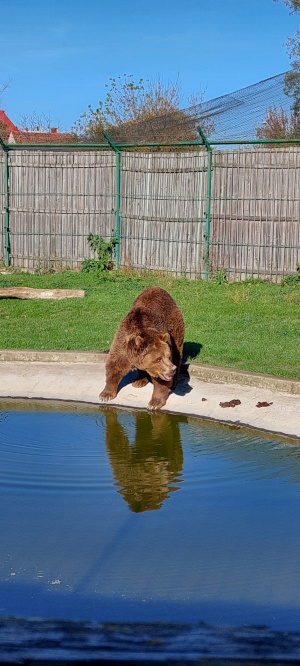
x: 114, y: 515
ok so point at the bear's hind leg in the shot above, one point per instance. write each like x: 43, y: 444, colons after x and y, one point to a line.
x: 141, y: 380
x: 177, y: 356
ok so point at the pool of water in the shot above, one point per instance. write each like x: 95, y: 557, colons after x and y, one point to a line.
x: 113, y: 515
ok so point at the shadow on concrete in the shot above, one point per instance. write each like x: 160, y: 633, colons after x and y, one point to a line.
x: 190, y: 351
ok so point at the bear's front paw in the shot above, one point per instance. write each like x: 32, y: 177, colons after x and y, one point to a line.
x: 106, y: 395
x: 156, y: 403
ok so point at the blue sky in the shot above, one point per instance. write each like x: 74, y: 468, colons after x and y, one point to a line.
x: 59, y: 55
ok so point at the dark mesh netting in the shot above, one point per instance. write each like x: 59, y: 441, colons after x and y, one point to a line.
x: 232, y: 117
x: 238, y: 115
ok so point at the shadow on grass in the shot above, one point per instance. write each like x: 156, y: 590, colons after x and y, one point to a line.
x: 190, y: 351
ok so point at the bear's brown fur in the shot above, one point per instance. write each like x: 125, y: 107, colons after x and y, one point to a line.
x: 150, y: 339
x: 147, y: 469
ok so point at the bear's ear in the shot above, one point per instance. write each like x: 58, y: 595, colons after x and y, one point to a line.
x: 138, y: 341
x: 164, y: 337
x: 134, y: 341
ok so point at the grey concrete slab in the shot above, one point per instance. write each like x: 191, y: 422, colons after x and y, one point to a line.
x: 83, y: 378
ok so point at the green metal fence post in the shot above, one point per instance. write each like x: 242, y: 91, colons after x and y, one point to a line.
x: 208, y: 204
x: 6, y: 209
x: 118, y: 196
x: 6, y: 204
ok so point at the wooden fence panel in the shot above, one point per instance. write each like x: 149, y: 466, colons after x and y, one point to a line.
x: 56, y: 200
x: 58, y: 197
x: 255, y: 222
x: 163, y: 211
x: 2, y: 213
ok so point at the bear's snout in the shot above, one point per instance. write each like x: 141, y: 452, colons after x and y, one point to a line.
x: 170, y: 373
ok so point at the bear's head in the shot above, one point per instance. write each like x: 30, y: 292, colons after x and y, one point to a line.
x: 152, y: 353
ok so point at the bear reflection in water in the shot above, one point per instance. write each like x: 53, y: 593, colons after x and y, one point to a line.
x: 150, y: 468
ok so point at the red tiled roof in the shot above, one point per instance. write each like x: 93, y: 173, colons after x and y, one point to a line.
x: 43, y: 137
x: 12, y: 134
x: 7, y: 122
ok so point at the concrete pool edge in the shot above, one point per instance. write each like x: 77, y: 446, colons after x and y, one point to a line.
x: 78, y: 377
x: 205, y: 373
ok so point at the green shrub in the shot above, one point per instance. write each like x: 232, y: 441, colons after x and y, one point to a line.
x: 104, y: 251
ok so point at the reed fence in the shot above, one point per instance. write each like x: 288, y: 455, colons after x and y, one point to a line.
x: 185, y: 213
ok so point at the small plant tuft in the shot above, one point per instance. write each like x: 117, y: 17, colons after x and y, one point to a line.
x: 104, y: 251
x: 220, y: 277
x: 253, y: 280
x: 240, y: 293
x: 292, y: 280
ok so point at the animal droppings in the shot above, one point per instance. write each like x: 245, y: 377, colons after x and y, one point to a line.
x: 230, y: 403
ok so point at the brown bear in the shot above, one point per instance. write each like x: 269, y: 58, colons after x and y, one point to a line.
x: 149, y: 339
x: 149, y: 468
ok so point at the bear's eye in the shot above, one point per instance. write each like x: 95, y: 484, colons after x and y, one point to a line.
x: 158, y: 359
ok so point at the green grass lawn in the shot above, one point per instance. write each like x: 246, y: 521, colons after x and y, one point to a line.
x: 253, y: 327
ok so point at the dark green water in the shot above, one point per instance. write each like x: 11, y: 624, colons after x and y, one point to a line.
x: 114, y: 515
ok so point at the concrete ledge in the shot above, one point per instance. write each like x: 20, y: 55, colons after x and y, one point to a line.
x: 202, y: 392
x: 49, y: 356
x: 205, y: 373
x: 208, y: 373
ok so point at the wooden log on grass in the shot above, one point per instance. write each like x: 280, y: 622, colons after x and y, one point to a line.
x: 27, y: 292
